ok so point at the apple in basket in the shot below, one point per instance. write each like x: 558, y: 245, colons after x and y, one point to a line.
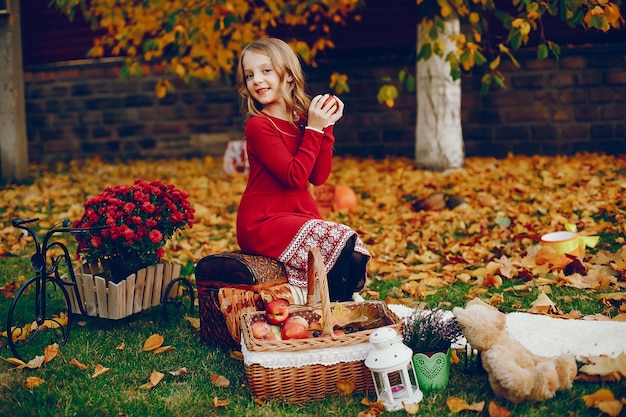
x: 275, y: 332
x: 261, y: 330
x: 295, y: 327
x: 277, y: 311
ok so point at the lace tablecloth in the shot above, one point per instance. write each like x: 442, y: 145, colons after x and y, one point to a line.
x: 325, y: 356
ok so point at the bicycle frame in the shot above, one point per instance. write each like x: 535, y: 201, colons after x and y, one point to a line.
x: 38, y: 260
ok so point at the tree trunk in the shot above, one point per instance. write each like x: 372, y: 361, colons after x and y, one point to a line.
x: 438, y: 134
x: 13, y: 146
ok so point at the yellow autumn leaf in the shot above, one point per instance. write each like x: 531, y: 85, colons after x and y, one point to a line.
x: 36, y: 362
x: 605, y: 401
x: 15, y: 361
x: 456, y: 405
x: 377, y: 405
x: 345, y: 387
x: 411, y: 408
x: 50, y: 352
x: 79, y: 365
x: 163, y: 349
x: 33, y: 381
x: 496, y: 410
x: 153, y: 342
x: 219, y: 381
x: 121, y: 346
x: 219, y: 403
x: 454, y: 357
x: 99, y: 370
x: 605, y: 366
x: 155, y: 378
x: 611, y: 408
x: 602, y: 394
x: 194, y: 321
x: 543, y: 305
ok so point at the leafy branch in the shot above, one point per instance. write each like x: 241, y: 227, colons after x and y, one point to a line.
x: 490, y: 33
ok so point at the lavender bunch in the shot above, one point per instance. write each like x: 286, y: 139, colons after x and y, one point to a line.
x: 430, y: 330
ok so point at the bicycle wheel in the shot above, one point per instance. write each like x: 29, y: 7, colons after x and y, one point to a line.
x: 39, y: 316
x: 179, y: 297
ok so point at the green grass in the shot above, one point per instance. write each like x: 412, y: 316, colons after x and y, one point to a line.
x: 70, y: 391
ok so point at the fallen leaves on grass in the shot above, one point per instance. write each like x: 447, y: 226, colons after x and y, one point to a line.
x: 33, y: 381
x: 375, y: 408
x: 155, y: 378
x: 219, y: 403
x: 509, y: 204
x: 494, y: 237
x: 79, y: 364
x: 603, y: 368
x: 34, y: 363
x: 456, y: 405
x: 193, y: 321
x: 411, y: 408
x: 8, y: 289
x: 99, y: 370
x: 605, y: 401
x: 50, y: 352
x: 219, y: 381
x: 496, y: 410
x: 152, y: 342
x: 163, y: 349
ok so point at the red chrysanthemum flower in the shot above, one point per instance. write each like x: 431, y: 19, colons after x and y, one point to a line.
x: 155, y: 236
x: 133, y: 221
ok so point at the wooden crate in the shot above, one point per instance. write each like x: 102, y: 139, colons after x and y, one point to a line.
x: 139, y: 291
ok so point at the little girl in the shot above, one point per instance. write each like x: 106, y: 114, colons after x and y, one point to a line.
x: 289, y: 141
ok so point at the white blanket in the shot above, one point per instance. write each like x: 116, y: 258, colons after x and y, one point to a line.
x: 548, y: 336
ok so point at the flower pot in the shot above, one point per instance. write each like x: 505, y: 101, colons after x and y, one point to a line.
x: 141, y: 290
x: 432, y: 370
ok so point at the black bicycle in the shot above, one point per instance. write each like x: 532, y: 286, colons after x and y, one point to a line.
x: 42, y: 309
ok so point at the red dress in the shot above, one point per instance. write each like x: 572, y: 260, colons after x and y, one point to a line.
x: 277, y: 216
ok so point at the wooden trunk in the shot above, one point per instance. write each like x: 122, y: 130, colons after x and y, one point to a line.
x: 139, y: 291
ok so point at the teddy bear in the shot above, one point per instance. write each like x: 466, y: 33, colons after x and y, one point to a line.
x: 515, y: 373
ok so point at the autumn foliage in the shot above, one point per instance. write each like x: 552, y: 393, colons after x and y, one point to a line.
x: 490, y: 243
x: 201, y: 40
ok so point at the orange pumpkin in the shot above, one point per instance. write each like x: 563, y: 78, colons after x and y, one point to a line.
x: 345, y: 198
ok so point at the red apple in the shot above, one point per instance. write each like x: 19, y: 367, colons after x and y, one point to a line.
x: 297, y: 319
x: 276, y: 331
x: 339, y: 332
x: 294, y: 331
x: 333, y: 100
x: 315, y: 325
x: 260, y: 329
x: 277, y: 311
x: 295, y: 327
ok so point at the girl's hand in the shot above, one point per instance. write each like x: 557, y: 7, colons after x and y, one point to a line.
x: 322, y: 111
x: 338, y: 113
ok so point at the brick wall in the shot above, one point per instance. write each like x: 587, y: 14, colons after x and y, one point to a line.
x: 85, y: 109
x: 577, y: 103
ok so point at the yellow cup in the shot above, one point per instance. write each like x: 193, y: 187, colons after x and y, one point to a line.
x: 564, y: 243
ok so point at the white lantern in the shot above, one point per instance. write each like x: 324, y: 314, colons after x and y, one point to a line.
x: 392, y: 370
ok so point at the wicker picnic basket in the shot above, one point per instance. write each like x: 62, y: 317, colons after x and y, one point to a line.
x: 301, y: 370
